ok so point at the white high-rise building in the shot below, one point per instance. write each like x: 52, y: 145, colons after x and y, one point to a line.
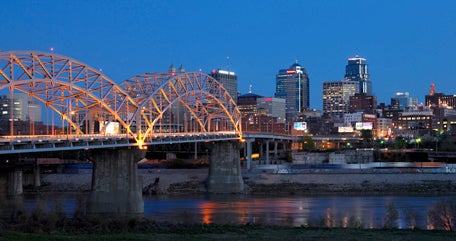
x: 336, y: 97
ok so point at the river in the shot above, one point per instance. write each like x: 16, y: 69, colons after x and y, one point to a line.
x: 323, y: 210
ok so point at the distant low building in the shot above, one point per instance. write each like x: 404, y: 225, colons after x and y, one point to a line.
x: 384, y: 127
x: 414, y: 122
x: 21, y: 112
x: 274, y: 107
x: 361, y: 102
x: 247, y: 104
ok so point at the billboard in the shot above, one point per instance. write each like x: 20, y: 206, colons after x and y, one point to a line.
x: 110, y: 127
x: 300, y: 126
x: 345, y: 129
x: 363, y: 126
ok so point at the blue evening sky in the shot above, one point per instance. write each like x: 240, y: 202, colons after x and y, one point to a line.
x: 408, y: 44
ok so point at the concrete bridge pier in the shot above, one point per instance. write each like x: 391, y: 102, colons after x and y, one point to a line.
x: 116, y: 188
x: 31, y: 176
x: 36, y: 176
x: 225, y: 168
x: 14, y: 182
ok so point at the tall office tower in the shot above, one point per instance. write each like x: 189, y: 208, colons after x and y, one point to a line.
x: 356, y: 70
x: 402, y: 100
x: 336, y: 97
x: 229, y: 81
x: 292, y: 84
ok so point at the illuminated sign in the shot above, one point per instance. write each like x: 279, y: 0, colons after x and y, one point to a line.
x: 300, y: 126
x: 345, y: 129
x: 226, y: 72
x: 110, y: 127
x: 363, y: 126
x: 291, y: 71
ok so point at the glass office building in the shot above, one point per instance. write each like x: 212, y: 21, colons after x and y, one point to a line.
x: 356, y: 70
x: 292, y: 84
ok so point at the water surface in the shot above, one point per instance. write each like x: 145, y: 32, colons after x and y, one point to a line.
x: 327, y: 210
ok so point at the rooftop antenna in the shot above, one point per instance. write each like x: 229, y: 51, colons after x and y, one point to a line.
x: 250, y: 89
x: 227, y: 62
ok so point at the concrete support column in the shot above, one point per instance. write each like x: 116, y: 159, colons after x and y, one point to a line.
x: 261, y: 151
x: 267, y: 162
x: 276, y: 143
x: 249, y: 154
x: 36, y: 176
x: 116, y: 188
x: 14, y: 183
x: 225, y: 168
x: 196, y: 151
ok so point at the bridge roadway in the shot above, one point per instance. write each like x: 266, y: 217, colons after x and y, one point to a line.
x: 46, y: 143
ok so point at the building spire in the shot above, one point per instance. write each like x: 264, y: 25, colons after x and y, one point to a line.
x: 250, y: 89
x: 432, y: 90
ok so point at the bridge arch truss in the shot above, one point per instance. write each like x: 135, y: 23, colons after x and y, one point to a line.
x: 88, y: 101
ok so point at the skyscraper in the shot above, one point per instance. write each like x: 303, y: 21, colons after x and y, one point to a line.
x: 229, y: 81
x: 356, y: 70
x: 292, y: 84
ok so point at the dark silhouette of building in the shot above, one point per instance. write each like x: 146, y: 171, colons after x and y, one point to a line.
x: 361, y: 102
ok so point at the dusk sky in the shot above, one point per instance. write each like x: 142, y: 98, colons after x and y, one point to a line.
x: 408, y: 44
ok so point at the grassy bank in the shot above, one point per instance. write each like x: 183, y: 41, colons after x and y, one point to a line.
x: 247, y: 232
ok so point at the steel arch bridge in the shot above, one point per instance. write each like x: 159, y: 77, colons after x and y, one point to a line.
x: 142, y: 105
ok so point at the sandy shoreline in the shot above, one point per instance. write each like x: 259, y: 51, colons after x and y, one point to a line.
x: 192, y: 181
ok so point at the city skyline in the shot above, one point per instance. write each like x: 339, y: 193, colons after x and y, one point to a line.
x: 408, y: 45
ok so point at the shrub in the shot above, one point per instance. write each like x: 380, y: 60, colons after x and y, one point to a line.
x: 442, y: 215
x: 392, y: 215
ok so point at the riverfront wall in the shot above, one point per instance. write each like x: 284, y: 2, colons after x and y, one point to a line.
x: 190, y: 181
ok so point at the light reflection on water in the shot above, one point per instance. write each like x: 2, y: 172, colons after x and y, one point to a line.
x: 329, y: 211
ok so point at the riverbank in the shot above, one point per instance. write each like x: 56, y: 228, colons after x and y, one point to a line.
x: 192, y: 181
x: 246, y: 232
